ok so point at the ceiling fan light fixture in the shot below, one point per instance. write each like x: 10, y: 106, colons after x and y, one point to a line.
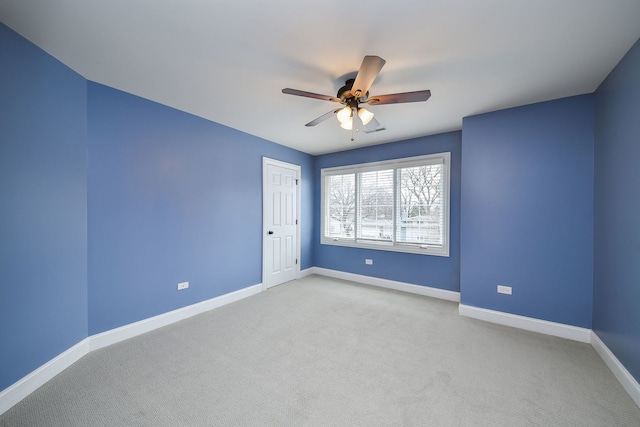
x: 347, y: 125
x: 344, y: 115
x: 365, y: 115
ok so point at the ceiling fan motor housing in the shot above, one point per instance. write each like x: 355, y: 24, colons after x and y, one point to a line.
x: 345, y: 94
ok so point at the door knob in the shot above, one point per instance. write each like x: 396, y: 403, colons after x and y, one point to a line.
x: 270, y: 232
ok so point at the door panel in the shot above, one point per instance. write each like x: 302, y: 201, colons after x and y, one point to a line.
x: 276, y: 254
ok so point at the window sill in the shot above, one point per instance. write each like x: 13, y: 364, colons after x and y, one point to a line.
x: 385, y: 246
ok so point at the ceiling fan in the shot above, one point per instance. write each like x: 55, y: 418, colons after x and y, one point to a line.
x: 356, y: 92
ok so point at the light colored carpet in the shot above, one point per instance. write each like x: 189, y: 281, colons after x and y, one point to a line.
x: 324, y: 352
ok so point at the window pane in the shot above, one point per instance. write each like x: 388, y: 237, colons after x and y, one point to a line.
x: 341, y: 204
x: 375, y: 216
x: 420, y: 205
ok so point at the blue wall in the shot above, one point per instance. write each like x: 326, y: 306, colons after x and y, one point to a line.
x: 172, y: 198
x: 426, y: 270
x: 43, y: 213
x: 527, y: 210
x: 616, y: 310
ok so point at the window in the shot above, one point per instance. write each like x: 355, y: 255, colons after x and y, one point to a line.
x: 396, y: 205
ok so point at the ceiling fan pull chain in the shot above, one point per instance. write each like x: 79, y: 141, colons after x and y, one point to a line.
x: 353, y: 126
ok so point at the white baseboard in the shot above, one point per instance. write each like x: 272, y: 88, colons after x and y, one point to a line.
x: 619, y: 371
x: 138, y: 328
x: 528, y: 323
x: 28, y: 384
x: 306, y: 272
x: 389, y: 284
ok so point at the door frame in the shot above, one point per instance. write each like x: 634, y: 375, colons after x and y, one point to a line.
x: 298, y: 170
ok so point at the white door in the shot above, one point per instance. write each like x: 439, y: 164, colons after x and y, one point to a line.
x: 280, y: 220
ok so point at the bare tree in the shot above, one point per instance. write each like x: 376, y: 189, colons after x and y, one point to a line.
x: 421, y: 198
x: 342, y: 201
x: 420, y: 190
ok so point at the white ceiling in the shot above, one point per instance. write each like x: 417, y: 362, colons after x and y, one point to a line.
x: 228, y: 61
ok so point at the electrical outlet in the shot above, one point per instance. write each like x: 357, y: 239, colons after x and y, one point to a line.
x: 368, y: 261
x: 504, y: 290
x: 183, y: 285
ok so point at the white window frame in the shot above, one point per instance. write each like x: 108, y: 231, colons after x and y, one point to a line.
x: 430, y: 159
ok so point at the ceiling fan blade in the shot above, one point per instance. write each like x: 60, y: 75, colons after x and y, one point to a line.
x: 373, y: 126
x: 322, y: 118
x: 297, y: 92
x: 371, y: 66
x: 398, y: 98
